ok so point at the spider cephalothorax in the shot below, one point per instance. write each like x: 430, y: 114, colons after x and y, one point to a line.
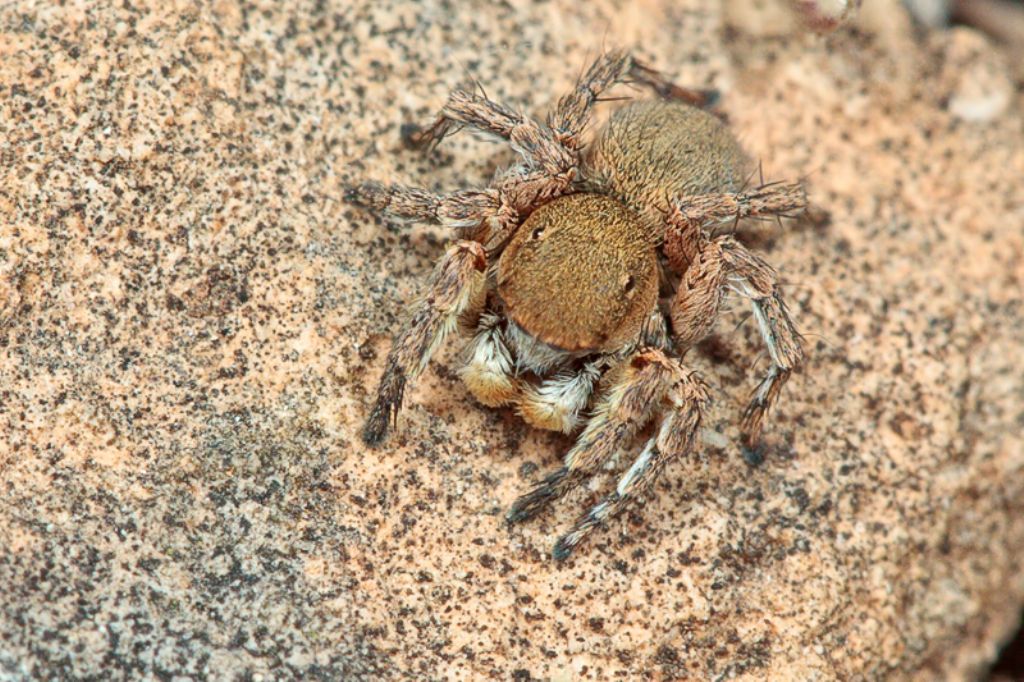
x: 585, y: 274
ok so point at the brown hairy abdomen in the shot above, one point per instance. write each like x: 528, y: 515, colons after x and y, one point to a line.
x: 580, y: 274
x: 653, y: 151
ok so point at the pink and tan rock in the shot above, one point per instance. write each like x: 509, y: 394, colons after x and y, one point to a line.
x: 191, y: 323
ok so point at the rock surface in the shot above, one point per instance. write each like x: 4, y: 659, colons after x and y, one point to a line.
x: 191, y: 323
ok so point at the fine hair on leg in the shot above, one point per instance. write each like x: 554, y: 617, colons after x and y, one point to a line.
x: 462, y: 209
x: 456, y: 289
x: 571, y: 115
x: 688, y: 401
x: 723, y: 264
x: 533, y: 141
x: 634, y: 394
x: 754, y: 279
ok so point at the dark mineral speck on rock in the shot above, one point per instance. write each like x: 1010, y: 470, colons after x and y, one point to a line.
x: 189, y: 315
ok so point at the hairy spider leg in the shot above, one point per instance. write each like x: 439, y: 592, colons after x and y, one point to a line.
x: 688, y: 400
x: 625, y: 409
x: 570, y: 117
x: 721, y: 264
x: 533, y: 141
x: 455, y: 291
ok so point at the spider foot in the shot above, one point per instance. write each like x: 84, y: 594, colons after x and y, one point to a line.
x: 594, y: 518
x: 375, y: 429
x: 385, y: 410
x: 543, y: 494
x: 563, y: 548
x: 424, y: 138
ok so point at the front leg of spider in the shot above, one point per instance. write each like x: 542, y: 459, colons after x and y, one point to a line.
x: 757, y: 281
x: 686, y: 403
x: 648, y: 384
x: 455, y: 290
x: 624, y: 410
x: 465, y: 209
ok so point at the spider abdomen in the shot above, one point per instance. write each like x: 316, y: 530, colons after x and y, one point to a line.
x: 653, y: 151
x: 580, y: 274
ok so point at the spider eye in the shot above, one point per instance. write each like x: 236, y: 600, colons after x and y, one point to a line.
x: 630, y: 283
x: 537, y: 232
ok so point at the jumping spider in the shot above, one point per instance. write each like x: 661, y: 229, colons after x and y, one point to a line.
x: 585, y: 274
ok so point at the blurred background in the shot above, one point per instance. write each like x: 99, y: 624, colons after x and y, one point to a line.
x: 1003, y: 21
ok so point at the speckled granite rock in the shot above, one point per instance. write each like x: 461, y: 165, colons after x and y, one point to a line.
x: 190, y: 323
